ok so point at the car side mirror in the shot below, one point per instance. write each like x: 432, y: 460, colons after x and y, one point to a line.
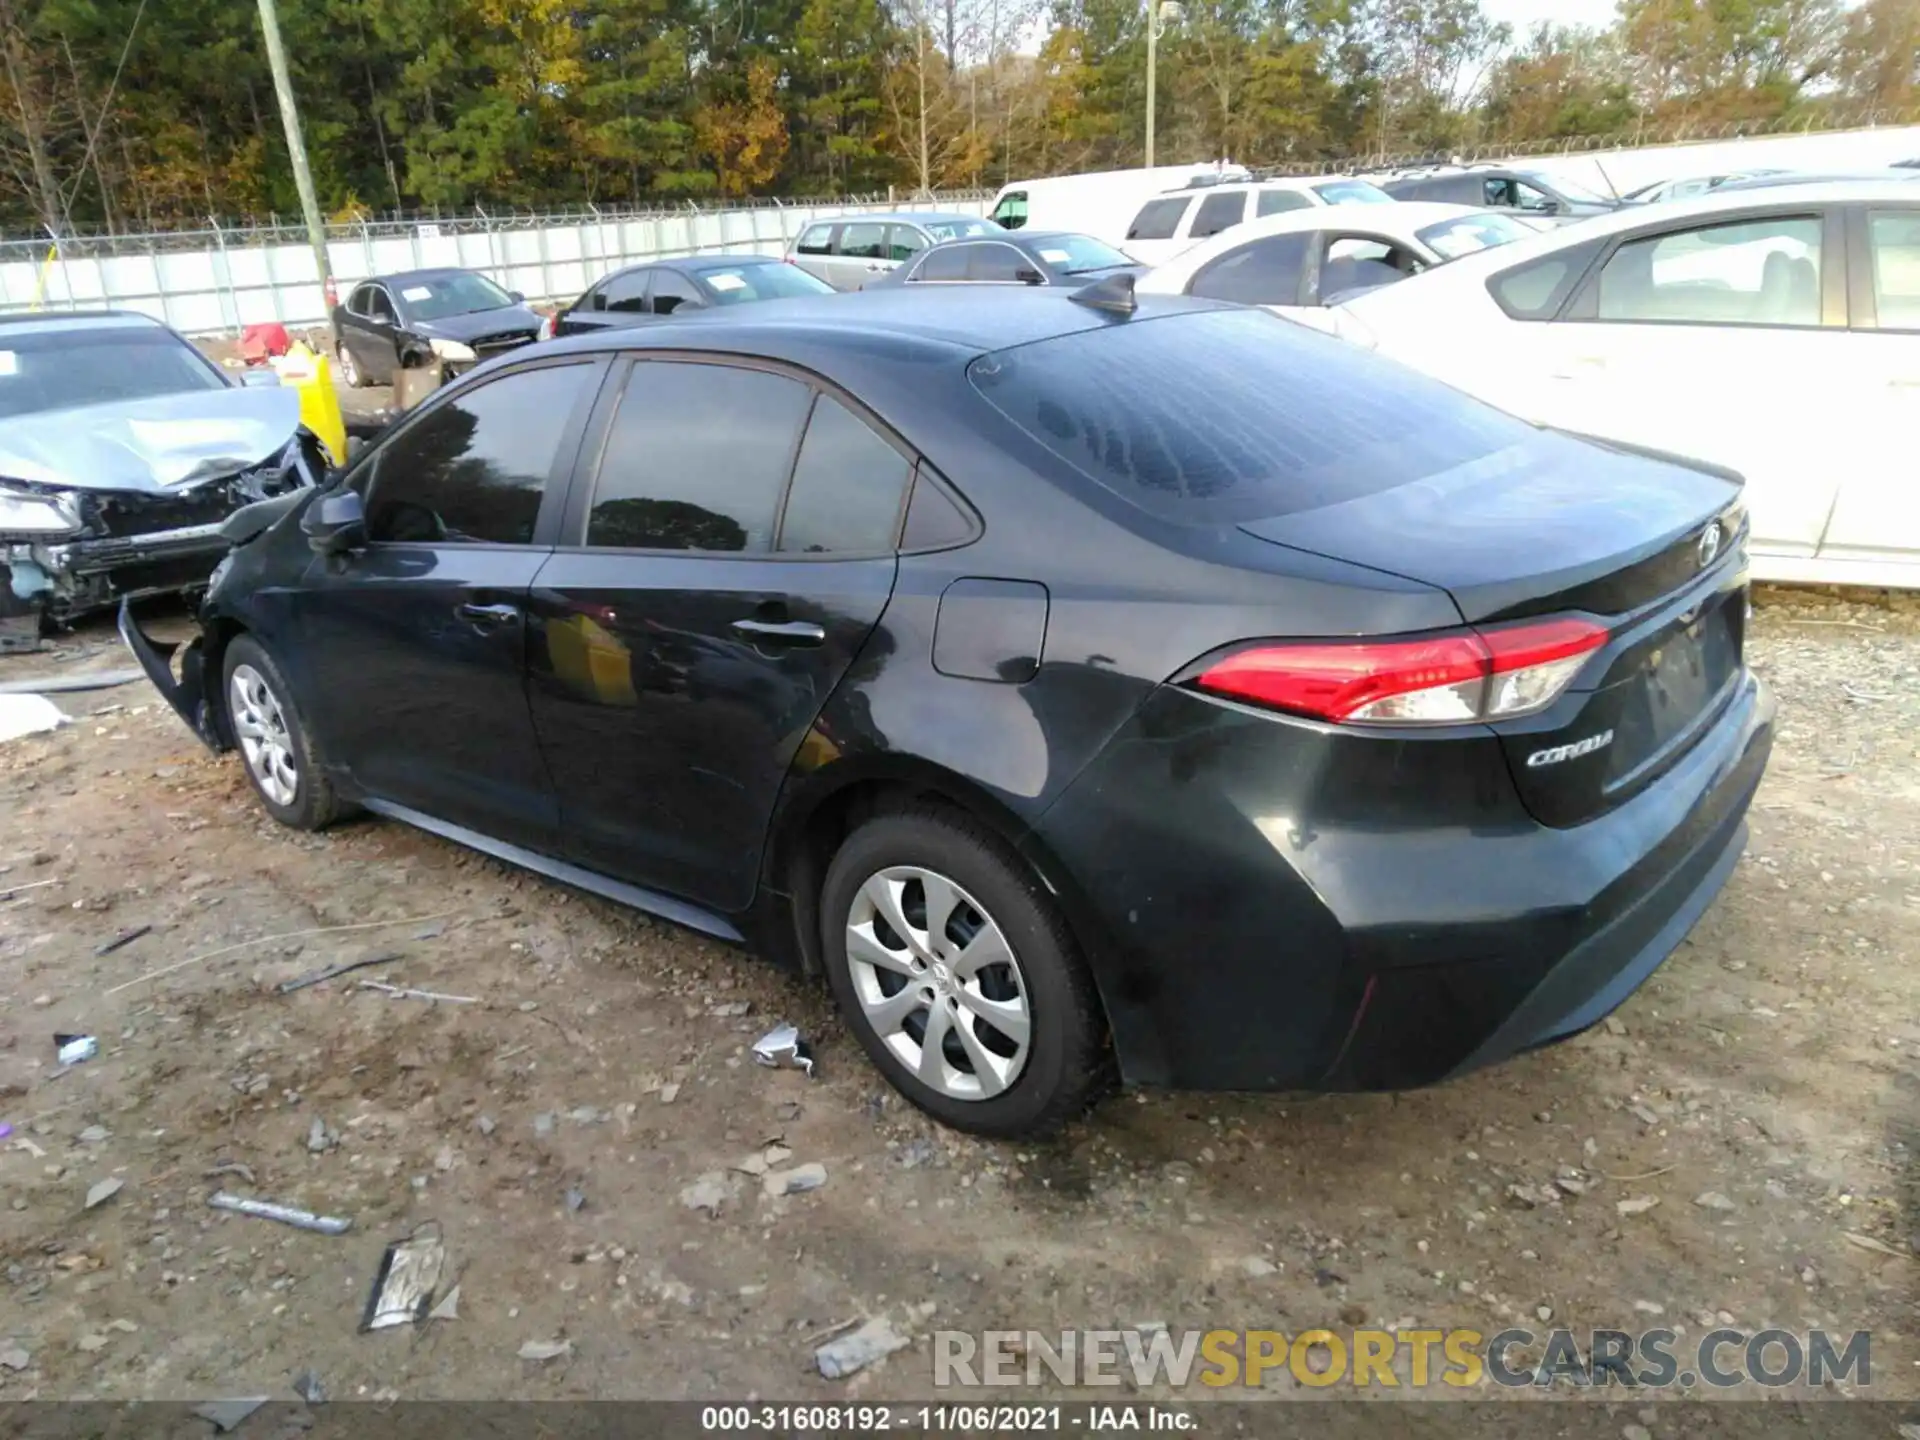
x: 335, y: 523
x: 1029, y: 277
x: 518, y: 298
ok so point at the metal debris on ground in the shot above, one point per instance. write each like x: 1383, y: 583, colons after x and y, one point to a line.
x: 782, y: 1046
x: 225, y: 1415
x: 285, y: 1214
x: 104, y: 1191
x: 308, y: 1387
x: 796, y: 1181
x: 75, y: 1049
x: 229, y: 1167
x: 872, y: 1342
x: 1878, y: 1246
x: 403, y: 1289
x: 401, y: 994
x: 546, y: 1349
x: 576, y: 1200
x: 319, y: 1138
x: 448, y: 1307
x: 125, y: 937
x: 287, y: 987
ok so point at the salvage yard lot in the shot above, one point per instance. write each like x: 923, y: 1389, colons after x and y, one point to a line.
x: 1764, y: 1088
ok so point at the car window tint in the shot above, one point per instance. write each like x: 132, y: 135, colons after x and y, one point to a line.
x: 626, y: 291
x: 933, y: 519
x: 945, y: 262
x: 1750, y: 272
x: 358, y: 301
x: 847, y: 486
x: 904, y: 242
x: 1261, y: 272
x: 696, y: 458
x: 472, y: 470
x: 1359, y: 262
x: 817, y: 241
x: 1011, y: 212
x: 998, y: 264
x: 1534, y: 291
x: 379, y: 306
x: 1217, y: 213
x: 673, y: 291
x: 864, y: 242
x: 1217, y: 417
x: 1158, y: 219
x: 1895, y: 239
x: 1278, y: 202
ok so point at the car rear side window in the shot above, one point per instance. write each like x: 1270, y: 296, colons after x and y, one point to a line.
x: 625, y: 292
x: 1750, y: 272
x: 1219, y: 212
x: 472, y: 470
x: 945, y: 262
x: 1226, y: 416
x: 1894, y: 236
x: 1158, y: 219
x: 1262, y: 272
x: 696, y: 458
x: 848, y: 487
x: 864, y: 242
x: 1278, y: 202
x: 1537, y: 290
x: 997, y: 264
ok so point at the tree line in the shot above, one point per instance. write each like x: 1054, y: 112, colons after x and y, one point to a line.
x: 133, y: 115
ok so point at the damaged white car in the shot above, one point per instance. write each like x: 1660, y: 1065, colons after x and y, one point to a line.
x: 122, y: 450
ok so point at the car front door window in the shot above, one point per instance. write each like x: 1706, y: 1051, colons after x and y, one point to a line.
x: 1746, y: 272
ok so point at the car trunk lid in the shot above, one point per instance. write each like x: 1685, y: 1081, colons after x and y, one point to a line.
x: 1652, y: 547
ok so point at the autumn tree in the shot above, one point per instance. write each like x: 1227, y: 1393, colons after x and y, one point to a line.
x: 746, y: 138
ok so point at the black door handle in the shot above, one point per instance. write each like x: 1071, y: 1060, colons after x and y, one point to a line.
x: 781, y: 632
x: 488, y: 617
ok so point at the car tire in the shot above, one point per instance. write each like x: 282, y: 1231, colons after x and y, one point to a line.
x: 349, y: 368
x: 276, y: 747
x: 981, y: 1078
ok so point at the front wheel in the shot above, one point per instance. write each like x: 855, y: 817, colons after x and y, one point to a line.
x: 959, y: 975
x: 274, y: 744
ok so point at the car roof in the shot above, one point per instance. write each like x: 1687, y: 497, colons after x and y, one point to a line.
x: 700, y: 263
x: 1714, y: 203
x: 911, y: 217
x: 1397, y: 221
x: 41, y: 321
x: 1778, y: 179
x: 942, y: 324
x: 400, y: 277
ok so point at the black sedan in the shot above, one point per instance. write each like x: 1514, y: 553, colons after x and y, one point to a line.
x: 1020, y: 257
x: 641, y: 294
x: 1071, y: 682
x: 450, y: 318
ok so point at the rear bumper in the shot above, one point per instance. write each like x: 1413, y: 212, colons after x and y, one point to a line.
x: 1270, y: 905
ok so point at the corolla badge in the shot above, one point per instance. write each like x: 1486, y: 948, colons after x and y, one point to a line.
x: 1555, y: 754
x: 1710, y: 543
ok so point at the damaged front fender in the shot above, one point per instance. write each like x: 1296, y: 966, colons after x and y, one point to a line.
x: 187, y: 694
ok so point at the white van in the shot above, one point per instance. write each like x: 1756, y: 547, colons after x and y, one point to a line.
x: 1100, y: 203
x: 1180, y: 219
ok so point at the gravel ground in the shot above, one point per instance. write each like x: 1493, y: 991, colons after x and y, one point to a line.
x: 588, y: 1135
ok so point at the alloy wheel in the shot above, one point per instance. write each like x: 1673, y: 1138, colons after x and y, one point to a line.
x: 349, y: 368
x: 261, y: 727
x: 938, y: 982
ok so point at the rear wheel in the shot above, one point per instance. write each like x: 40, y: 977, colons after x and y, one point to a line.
x: 349, y: 367
x: 274, y: 743
x: 959, y: 976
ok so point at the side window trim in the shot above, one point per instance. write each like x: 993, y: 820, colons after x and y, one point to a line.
x: 1584, y: 267
x: 570, y: 525
x: 555, y: 496
x: 1582, y: 303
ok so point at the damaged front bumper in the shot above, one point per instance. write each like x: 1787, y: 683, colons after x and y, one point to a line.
x: 186, y: 691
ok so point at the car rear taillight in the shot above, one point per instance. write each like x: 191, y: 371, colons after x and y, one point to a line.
x: 1450, y: 679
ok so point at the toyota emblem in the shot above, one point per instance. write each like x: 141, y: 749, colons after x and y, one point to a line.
x: 1709, y: 544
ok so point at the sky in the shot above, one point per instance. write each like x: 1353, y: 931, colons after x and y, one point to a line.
x: 1523, y: 15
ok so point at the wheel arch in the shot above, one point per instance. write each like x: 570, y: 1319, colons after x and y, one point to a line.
x: 832, y: 804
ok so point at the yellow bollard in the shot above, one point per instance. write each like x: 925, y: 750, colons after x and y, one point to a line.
x: 309, y: 372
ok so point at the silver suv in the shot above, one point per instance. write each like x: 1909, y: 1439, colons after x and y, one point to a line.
x: 851, y: 252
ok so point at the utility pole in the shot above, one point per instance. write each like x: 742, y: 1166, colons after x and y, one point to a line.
x: 1153, y: 42
x: 296, y: 148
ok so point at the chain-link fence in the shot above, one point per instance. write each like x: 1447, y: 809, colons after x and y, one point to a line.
x: 227, y: 276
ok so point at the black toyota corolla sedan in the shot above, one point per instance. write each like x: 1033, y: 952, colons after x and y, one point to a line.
x: 1080, y: 686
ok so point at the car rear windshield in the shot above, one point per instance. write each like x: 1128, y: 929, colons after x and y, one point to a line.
x: 1078, y: 254
x: 1219, y: 417
x: 55, y: 369
x: 959, y: 229
x: 771, y: 280
x: 1352, y: 192
x: 436, y: 297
